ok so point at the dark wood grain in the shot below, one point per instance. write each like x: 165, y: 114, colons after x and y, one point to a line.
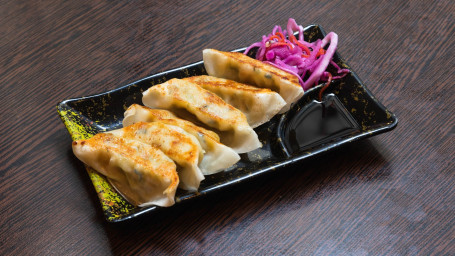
x: 393, y: 194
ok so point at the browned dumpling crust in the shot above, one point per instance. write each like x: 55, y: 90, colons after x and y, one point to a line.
x: 191, y: 102
x: 258, y: 104
x: 180, y: 146
x: 217, y: 157
x: 143, y: 174
x: 241, y: 68
x: 137, y: 113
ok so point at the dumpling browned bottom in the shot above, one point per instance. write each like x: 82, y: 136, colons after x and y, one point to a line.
x: 143, y: 174
x: 192, y: 102
x: 241, y: 68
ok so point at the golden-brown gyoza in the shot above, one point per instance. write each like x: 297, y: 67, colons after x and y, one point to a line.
x: 191, y: 102
x: 258, y: 104
x: 241, y: 68
x: 180, y: 146
x: 143, y: 174
x: 217, y: 157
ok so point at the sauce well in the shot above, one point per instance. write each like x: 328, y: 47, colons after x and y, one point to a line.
x: 317, y: 123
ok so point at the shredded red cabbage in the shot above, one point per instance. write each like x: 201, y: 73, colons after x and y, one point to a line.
x: 307, y: 61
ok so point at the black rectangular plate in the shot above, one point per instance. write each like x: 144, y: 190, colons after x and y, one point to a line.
x: 84, y: 117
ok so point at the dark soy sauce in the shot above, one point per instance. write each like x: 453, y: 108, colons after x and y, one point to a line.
x: 318, y: 123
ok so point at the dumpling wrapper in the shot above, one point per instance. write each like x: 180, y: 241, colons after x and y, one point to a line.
x: 190, y: 101
x: 142, y: 174
x: 137, y: 113
x: 241, y: 68
x: 217, y: 157
x: 177, y: 144
x: 258, y: 104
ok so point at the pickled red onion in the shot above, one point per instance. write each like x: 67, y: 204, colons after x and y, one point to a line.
x: 308, y: 61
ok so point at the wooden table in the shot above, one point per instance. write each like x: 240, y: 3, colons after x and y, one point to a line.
x: 392, y: 194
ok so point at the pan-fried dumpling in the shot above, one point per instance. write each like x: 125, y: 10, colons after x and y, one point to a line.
x: 241, y: 68
x: 217, y: 156
x: 136, y: 113
x: 190, y: 101
x: 183, y: 148
x: 143, y: 174
x: 258, y: 104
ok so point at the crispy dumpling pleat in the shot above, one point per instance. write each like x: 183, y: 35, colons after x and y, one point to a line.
x: 143, y: 174
x: 191, y: 102
x: 217, y: 156
x: 258, y: 104
x: 177, y: 144
x: 241, y: 68
x: 136, y: 113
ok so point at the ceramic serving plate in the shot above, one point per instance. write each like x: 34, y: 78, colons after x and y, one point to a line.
x: 347, y: 113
